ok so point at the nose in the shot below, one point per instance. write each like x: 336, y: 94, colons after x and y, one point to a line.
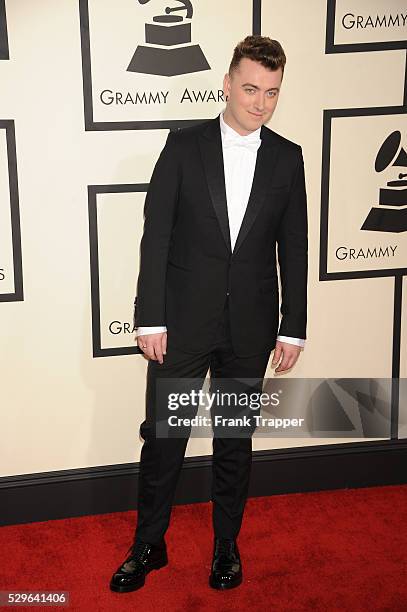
x: 260, y: 101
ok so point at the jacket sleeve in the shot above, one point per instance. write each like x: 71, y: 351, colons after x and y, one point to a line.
x: 292, y: 238
x: 159, y: 217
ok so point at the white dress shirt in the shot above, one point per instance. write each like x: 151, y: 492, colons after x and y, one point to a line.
x: 239, y: 161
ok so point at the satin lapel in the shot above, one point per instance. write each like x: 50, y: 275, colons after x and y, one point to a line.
x: 265, y: 162
x: 210, y: 143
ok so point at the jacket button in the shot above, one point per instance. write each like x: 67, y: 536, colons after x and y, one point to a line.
x: 228, y: 294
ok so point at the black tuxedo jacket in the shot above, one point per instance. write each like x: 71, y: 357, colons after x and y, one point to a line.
x: 187, y: 267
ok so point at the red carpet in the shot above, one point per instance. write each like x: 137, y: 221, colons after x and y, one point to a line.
x: 334, y: 550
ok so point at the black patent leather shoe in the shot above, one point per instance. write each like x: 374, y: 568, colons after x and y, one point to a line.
x: 143, y: 558
x: 226, y: 565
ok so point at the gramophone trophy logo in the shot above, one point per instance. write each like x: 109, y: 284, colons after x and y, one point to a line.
x: 391, y: 214
x: 164, y: 64
x: 169, y: 50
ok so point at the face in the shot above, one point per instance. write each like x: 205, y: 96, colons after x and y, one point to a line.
x: 252, y: 91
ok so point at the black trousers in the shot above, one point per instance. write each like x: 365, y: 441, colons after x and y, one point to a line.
x: 161, y: 458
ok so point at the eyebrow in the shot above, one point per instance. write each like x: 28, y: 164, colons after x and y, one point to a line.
x: 255, y: 87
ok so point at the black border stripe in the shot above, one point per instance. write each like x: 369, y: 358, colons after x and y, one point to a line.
x: 395, y: 368
x: 330, y: 26
x: 4, y: 50
x: 94, y: 268
x: 256, y: 25
x: 405, y: 86
x: 364, y: 47
x: 325, y: 175
x: 86, y: 66
x: 18, y: 294
x: 365, y: 111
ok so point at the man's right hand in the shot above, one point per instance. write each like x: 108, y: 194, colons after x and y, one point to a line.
x: 154, y: 346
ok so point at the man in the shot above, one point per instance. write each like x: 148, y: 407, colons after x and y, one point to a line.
x: 222, y: 195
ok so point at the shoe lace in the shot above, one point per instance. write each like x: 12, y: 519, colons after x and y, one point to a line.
x: 225, y: 547
x: 138, y: 551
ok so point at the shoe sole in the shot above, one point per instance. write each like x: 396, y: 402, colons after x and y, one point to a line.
x: 139, y: 585
x: 223, y: 586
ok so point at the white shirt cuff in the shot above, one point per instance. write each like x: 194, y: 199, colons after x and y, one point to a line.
x: 143, y: 331
x: 290, y: 340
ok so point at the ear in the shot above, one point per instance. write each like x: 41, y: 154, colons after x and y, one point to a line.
x: 226, y: 85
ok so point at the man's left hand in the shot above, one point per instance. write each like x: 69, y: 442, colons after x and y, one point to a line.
x: 285, y: 356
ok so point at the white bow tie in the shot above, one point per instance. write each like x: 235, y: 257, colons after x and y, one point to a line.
x: 251, y: 142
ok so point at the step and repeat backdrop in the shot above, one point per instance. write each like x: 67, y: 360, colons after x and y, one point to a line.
x: 89, y: 90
